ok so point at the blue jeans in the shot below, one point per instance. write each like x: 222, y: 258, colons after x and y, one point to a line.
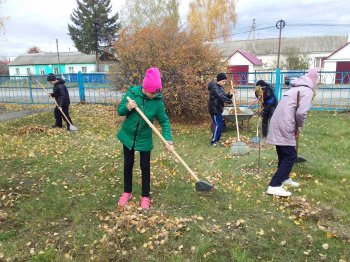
x: 286, y: 158
x: 217, y: 127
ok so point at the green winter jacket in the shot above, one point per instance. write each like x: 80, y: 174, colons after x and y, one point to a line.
x: 135, y: 132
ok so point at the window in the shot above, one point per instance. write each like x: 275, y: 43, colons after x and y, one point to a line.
x: 71, y: 69
x: 17, y: 71
x: 55, y: 71
x: 42, y: 71
x: 84, y: 69
x: 28, y: 71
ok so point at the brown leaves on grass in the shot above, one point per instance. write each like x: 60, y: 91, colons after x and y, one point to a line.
x: 157, y: 227
x: 32, y: 129
x: 17, y: 107
x: 301, y: 209
x: 8, y: 199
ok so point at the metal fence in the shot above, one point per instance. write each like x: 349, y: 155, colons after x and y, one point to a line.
x: 90, y: 88
x: 333, y: 92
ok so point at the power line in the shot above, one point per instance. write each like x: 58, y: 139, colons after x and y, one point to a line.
x: 288, y: 24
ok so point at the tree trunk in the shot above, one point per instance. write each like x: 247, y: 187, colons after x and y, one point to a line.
x: 97, y: 63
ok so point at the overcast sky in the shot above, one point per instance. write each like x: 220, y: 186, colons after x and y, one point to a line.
x: 41, y: 22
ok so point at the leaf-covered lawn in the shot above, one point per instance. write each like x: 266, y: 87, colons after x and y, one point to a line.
x: 59, y: 193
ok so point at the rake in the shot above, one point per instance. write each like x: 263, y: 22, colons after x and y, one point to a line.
x: 200, y: 185
x: 71, y: 126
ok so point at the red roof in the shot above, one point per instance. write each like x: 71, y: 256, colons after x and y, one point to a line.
x: 249, y: 56
x: 5, y: 62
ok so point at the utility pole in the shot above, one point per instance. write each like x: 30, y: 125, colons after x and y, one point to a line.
x: 279, y: 25
x: 58, y: 58
x: 251, y: 32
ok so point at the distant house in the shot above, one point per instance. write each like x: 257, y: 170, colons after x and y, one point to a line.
x: 45, y: 63
x: 338, y: 61
x: 316, y: 47
x: 243, y: 62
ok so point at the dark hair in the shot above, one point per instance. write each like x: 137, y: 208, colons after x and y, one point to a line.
x: 221, y: 76
x: 51, y: 77
x: 261, y: 83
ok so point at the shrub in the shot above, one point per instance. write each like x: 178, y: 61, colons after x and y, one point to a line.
x: 182, y: 59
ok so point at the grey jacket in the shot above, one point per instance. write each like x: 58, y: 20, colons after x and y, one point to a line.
x: 287, y: 118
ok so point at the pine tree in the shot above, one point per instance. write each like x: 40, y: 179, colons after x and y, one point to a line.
x: 92, y: 30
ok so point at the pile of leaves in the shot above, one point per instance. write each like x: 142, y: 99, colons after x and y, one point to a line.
x: 157, y: 227
x: 31, y: 129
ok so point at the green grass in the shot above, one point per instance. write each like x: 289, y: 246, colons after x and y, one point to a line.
x: 59, y: 190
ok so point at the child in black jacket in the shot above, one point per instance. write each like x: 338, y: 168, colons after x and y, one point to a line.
x: 61, y: 95
x: 217, y: 98
x: 269, y: 102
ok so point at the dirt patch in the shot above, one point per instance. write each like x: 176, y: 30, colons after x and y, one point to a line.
x: 19, y: 114
x: 263, y: 146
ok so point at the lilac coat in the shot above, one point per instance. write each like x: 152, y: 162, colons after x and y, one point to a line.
x: 286, y: 117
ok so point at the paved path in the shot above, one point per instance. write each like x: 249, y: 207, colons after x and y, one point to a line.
x: 18, y: 114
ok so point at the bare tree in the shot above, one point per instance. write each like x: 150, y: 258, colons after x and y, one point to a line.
x: 2, y: 20
x: 33, y: 50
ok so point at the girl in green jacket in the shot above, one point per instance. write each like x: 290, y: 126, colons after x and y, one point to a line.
x: 136, y: 135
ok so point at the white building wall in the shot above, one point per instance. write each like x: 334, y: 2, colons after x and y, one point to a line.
x: 342, y: 55
x: 331, y: 64
x: 238, y: 59
x: 90, y: 68
x: 270, y: 61
x: 22, y: 70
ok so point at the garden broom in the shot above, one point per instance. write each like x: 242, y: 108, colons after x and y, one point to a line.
x: 239, y: 147
x: 200, y: 185
x: 71, y: 126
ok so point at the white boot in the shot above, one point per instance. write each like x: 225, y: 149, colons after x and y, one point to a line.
x: 290, y: 182
x: 277, y: 191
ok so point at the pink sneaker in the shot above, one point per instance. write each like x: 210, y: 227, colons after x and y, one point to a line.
x: 123, y: 200
x: 145, y: 202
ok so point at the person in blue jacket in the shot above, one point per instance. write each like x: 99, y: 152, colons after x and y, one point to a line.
x: 217, y: 99
x: 269, y: 103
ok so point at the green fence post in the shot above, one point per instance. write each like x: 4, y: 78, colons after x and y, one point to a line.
x: 81, y: 87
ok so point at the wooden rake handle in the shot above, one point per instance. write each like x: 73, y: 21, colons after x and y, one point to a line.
x: 234, y: 106
x: 59, y: 108
x: 164, y: 141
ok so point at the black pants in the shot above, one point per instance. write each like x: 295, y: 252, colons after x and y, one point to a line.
x: 266, y: 116
x: 59, y: 116
x: 145, y: 165
x: 286, y: 158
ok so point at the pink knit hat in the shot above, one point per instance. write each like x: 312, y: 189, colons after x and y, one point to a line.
x: 313, y: 75
x: 152, y: 82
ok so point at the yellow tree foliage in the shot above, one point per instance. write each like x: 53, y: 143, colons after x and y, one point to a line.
x: 212, y: 19
x: 182, y: 59
x: 141, y: 13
